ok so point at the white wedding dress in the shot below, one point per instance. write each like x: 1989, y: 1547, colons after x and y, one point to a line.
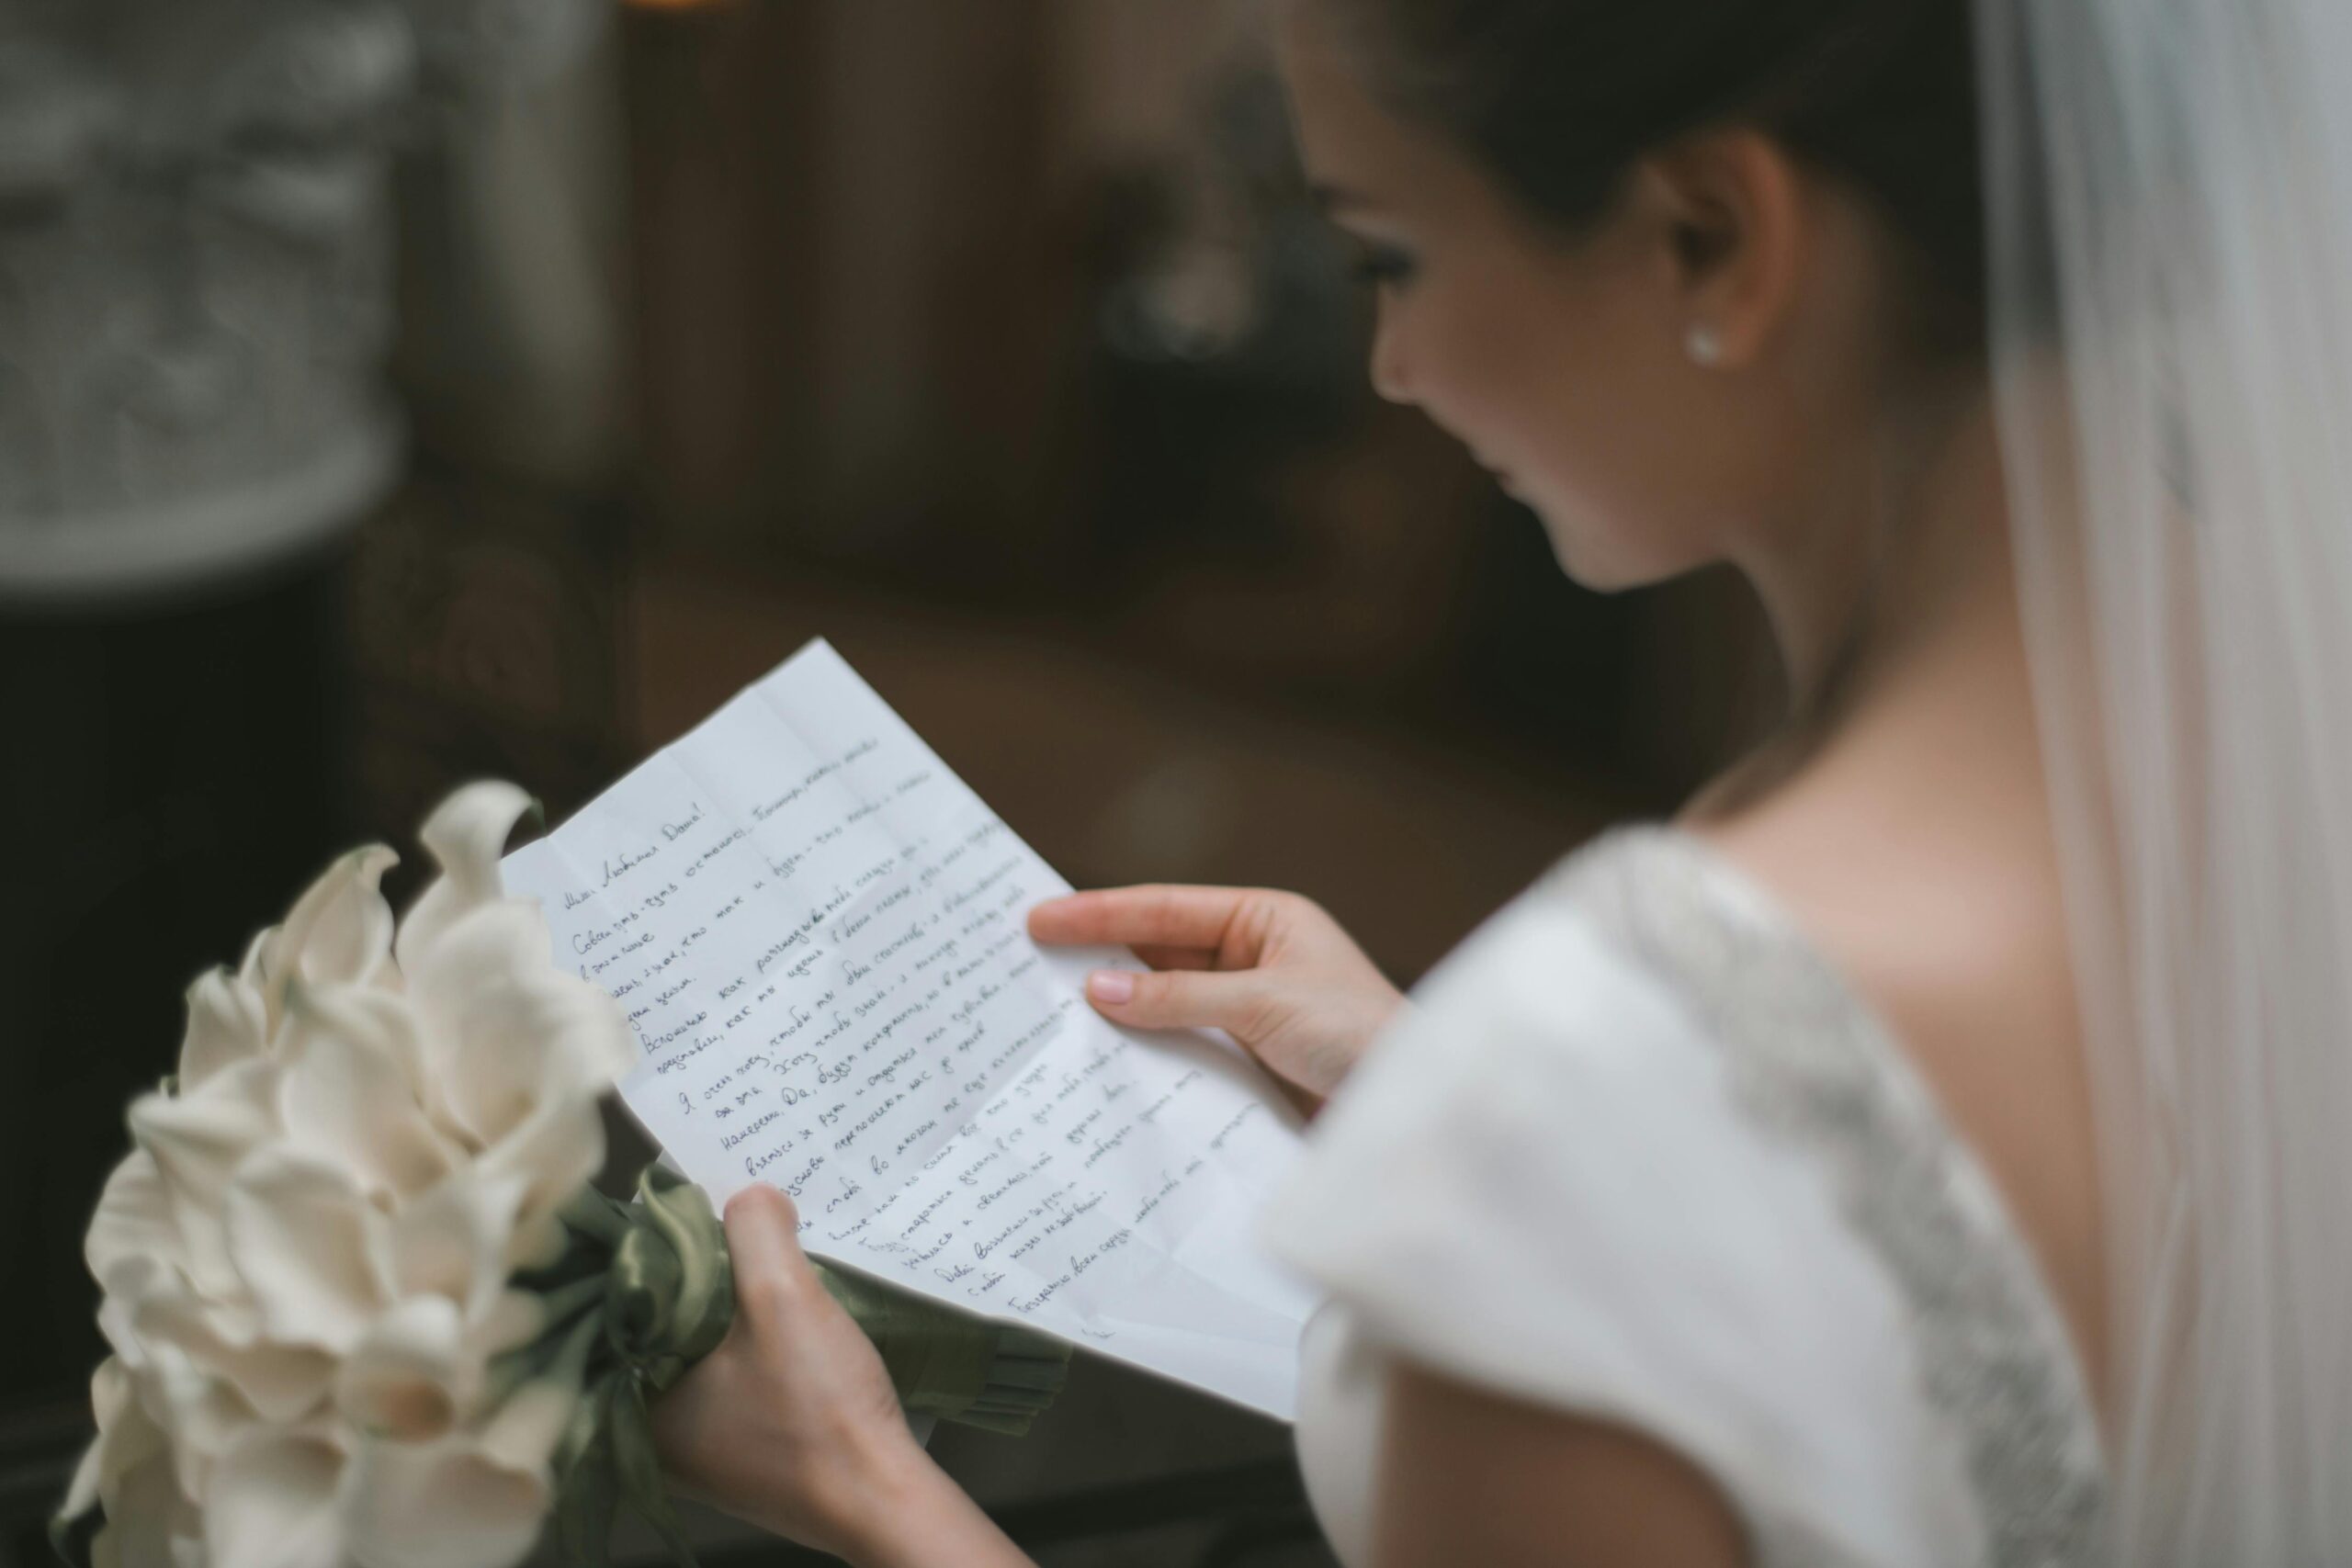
x: 1639, y: 1154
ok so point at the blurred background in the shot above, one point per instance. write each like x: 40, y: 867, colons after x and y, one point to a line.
x: 398, y: 391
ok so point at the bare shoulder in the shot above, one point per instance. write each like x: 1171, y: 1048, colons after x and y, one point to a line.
x: 1949, y: 909
x: 1931, y: 884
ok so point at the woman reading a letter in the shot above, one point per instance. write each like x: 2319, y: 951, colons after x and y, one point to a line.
x: 1929, y: 1148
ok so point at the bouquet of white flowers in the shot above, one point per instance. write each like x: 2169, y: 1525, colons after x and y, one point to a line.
x: 364, y: 1304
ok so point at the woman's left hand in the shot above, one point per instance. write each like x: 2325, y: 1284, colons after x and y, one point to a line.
x: 792, y: 1423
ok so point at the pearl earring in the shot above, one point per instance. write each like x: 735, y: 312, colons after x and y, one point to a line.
x: 1704, y: 344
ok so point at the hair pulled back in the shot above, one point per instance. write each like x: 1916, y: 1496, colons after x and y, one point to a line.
x: 1560, y: 99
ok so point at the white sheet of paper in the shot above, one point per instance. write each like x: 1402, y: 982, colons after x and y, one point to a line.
x: 819, y: 935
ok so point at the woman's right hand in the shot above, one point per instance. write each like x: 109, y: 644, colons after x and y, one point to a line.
x: 1271, y: 969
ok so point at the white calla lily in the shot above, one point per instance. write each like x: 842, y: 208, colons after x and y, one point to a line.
x: 351, y: 1062
x: 520, y: 1063
x: 487, y: 984
x: 411, y: 1376
x: 197, y: 1139
x: 227, y: 1023
x: 119, y: 1316
x: 315, y: 1253
x: 452, y: 1242
x: 273, y: 1500
x: 199, y: 1413
x: 554, y: 1153
x: 493, y: 1072
x: 309, y: 1259
x: 599, y: 1047
x: 249, y: 967
x: 489, y: 946
x: 338, y: 932
x: 126, y: 1438
x: 149, y: 1522
x: 515, y: 1318
x: 465, y: 837
x: 133, y: 1226
x: 471, y: 1500
x: 227, y: 1350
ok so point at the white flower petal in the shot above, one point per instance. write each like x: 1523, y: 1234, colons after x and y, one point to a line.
x: 133, y: 1226
x: 197, y: 1139
x: 249, y: 970
x: 529, y: 1045
x: 489, y: 1489
x: 200, y: 1413
x: 551, y: 1156
x: 414, y: 1375
x: 465, y: 837
x: 482, y: 1046
x: 492, y: 1078
x: 226, y: 1024
x: 522, y: 1435
x: 489, y: 948
x: 599, y: 1045
x: 81, y: 1492
x: 515, y: 1318
x: 213, y: 1371
x: 466, y: 1501
x: 454, y: 1241
x: 349, y: 1096
x: 135, y: 1278
x: 504, y: 1026
x: 315, y: 1253
x: 272, y: 1502
x: 127, y: 1438
x: 340, y: 932
x: 149, y: 1523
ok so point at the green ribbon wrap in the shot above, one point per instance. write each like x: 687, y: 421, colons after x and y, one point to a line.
x: 645, y: 1289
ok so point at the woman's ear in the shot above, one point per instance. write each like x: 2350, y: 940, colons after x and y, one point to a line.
x: 1728, y: 218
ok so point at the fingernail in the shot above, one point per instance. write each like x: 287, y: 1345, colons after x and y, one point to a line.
x: 1112, y: 985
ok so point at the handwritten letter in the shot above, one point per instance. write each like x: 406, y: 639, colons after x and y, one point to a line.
x: 820, y: 936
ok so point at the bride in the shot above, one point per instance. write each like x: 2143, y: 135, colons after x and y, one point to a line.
x: 1928, y: 1148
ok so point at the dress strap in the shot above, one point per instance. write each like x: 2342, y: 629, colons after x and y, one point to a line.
x: 1636, y: 1153
x: 1813, y: 1065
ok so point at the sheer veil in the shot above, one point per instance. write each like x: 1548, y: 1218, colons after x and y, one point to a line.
x: 2169, y: 186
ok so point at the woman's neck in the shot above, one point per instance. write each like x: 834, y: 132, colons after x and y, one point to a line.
x: 1913, y: 551
x: 1895, y: 615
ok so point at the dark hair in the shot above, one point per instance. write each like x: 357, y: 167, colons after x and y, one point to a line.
x: 1560, y: 97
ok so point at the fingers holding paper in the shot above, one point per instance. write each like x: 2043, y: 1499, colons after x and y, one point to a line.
x: 1206, y: 923
x: 1271, y: 969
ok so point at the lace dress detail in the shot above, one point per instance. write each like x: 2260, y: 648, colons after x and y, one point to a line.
x: 1811, y: 1063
